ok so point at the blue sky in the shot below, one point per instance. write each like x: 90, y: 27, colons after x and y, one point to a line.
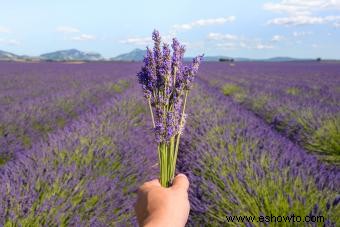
x: 257, y: 29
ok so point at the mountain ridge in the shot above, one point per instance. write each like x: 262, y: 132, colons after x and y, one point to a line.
x: 134, y: 55
x: 71, y: 55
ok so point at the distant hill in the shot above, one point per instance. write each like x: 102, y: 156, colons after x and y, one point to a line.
x: 283, y: 59
x: 274, y: 59
x: 138, y: 55
x: 71, y: 55
x: 7, y: 56
x: 134, y: 55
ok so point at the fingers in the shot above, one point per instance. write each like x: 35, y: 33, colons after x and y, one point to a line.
x: 181, y: 182
x: 152, y: 183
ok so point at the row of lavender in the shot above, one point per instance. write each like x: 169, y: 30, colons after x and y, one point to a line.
x: 36, y: 99
x: 238, y: 165
x: 86, y: 173
x: 299, y: 99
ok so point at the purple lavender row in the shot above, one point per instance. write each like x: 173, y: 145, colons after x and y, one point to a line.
x: 87, y: 172
x: 84, y: 174
x: 301, y: 100
x: 238, y: 165
x: 65, y: 92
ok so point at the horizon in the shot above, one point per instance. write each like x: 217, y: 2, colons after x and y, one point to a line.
x: 263, y: 29
x: 186, y: 56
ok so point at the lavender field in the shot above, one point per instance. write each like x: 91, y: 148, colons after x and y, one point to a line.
x: 76, y: 143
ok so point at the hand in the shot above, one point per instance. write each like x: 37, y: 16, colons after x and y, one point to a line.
x: 158, y: 206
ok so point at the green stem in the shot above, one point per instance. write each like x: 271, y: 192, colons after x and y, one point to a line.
x: 164, y: 176
x: 150, y: 107
x: 172, y: 160
x: 175, y: 72
x: 181, y: 125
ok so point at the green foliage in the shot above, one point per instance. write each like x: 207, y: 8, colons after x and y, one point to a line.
x: 66, y: 105
x: 230, y: 89
x: 120, y: 86
x: 41, y: 127
x: 293, y: 91
x: 337, y: 89
x: 240, y: 96
x: 2, y: 130
x: 326, y: 139
x: 84, y: 156
x: 275, y: 193
x: 117, y: 88
x: 8, y: 99
x: 77, y: 198
x: 123, y: 83
x: 3, y: 159
x: 91, y: 202
x: 238, y: 93
x: 61, y: 122
x: 26, y: 141
x: 214, y: 82
x: 259, y: 102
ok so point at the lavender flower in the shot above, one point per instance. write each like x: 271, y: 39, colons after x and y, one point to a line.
x: 166, y: 84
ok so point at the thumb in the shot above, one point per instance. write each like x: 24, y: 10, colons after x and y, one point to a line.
x: 181, y: 182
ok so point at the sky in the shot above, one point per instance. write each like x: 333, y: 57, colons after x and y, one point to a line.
x: 242, y: 28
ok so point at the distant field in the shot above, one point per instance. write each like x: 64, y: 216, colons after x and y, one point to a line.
x: 261, y: 138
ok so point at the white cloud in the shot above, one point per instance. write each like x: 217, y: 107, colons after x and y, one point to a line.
x: 243, y: 45
x: 137, y: 41
x: 300, y: 34
x: 261, y: 46
x: 195, y: 46
x: 11, y: 42
x: 302, y: 12
x: 303, y: 20
x: 219, y: 36
x: 204, y: 22
x: 227, y: 45
x: 229, y: 41
x: 147, y: 40
x: 182, y: 26
x: 301, y: 7
x: 277, y: 38
x: 4, y: 30
x: 83, y: 37
x: 67, y: 29
x: 337, y: 24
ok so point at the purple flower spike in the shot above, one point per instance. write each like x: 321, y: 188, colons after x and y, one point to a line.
x: 166, y: 83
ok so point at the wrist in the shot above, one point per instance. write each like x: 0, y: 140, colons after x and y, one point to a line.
x: 158, y: 220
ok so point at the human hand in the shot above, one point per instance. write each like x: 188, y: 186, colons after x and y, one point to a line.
x: 158, y: 206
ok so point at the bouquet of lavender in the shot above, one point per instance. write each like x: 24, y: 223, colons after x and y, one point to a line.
x: 166, y: 83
